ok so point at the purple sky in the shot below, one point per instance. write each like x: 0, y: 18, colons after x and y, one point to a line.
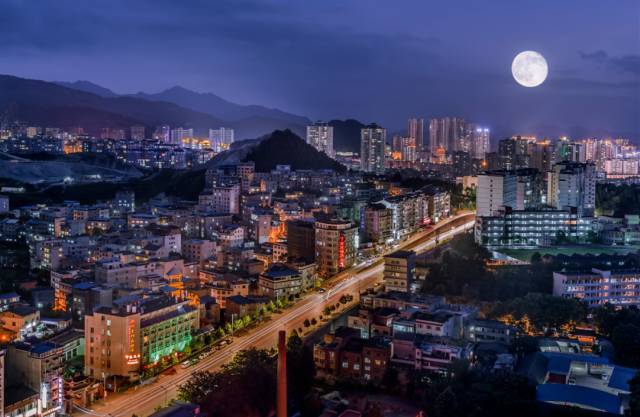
x: 372, y: 60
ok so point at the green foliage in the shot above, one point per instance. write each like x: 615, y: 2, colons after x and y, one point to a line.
x: 473, y: 393
x: 623, y: 328
x: 247, y: 385
x: 618, y: 200
x: 461, y: 272
x: 306, y: 323
x: 542, y: 310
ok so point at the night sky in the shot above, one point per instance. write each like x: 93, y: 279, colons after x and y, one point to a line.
x: 373, y: 60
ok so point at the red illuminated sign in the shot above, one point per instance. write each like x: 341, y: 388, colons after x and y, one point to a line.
x: 341, y: 252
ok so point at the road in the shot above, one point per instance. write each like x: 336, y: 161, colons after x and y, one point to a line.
x: 145, y: 399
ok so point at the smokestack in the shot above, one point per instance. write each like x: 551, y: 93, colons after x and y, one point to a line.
x: 281, y: 406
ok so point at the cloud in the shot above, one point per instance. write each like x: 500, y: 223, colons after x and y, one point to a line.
x: 625, y: 63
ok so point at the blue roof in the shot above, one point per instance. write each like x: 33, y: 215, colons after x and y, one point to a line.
x: 559, y: 363
x: 620, y: 378
x: 84, y: 285
x: 578, y: 395
x: 43, y: 347
x: 9, y: 295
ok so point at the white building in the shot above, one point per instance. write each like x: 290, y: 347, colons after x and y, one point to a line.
x: 373, y: 140
x: 320, y: 136
x: 222, y: 199
x: 180, y: 134
x: 598, y: 287
x: 496, y: 189
x: 221, y: 138
x: 572, y: 184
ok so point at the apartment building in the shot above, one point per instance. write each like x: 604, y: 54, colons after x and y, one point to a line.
x: 597, y: 287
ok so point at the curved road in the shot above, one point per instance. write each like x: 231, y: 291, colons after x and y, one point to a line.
x: 144, y: 400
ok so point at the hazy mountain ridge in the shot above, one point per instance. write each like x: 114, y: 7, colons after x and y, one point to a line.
x: 51, y: 104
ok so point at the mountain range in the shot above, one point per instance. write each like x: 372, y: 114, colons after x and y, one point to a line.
x: 92, y: 107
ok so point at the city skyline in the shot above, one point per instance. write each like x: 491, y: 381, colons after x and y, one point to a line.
x: 354, y: 61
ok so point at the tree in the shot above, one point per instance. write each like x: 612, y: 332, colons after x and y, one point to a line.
x: 314, y: 321
x: 245, y: 386
x: 198, y: 386
x: 327, y: 311
x: 219, y: 333
x: 306, y: 323
x: 542, y: 311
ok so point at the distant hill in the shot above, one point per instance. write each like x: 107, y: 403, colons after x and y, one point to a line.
x: 249, y: 121
x: 282, y: 147
x: 88, y: 87
x: 346, y: 135
x: 286, y: 148
x: 82, y: 103
x: 49, y: 104
x: 219, y: 107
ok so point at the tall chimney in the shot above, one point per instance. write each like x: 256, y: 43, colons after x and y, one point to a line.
x: 281, y: 406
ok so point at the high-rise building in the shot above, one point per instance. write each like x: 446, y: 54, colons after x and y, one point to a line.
x: 378, y: 223
x: 373, y: 140
x: 223, y: 199
x: 572, y: 184
x: 529, y: 192
x: 179, y: 135
x: 137, y: 132
x: 541, y: 155
x: 496, y: 189
x: 415, y: 130
x: 162, y: 134
x: 514, y: 152
x: 221, y: 138
x: 480, y: 140
x: 320, y: 136
x: 336, y: 246
x: 399, y: 268
x: 519, y: 190
x: 447, y: 133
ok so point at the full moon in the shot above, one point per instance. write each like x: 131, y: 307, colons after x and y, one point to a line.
x: 529, y: 68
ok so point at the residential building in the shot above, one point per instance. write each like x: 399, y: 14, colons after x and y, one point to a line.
x: 573, y: 184
x: 446, y: 134
x: 279, y: 281
x: 415, y: 131
x: 378, y: 224
x: 490, y: 331
x: 373, y: 139
x: 620, y: 288
x: 399, y: 268
x: 320, y: 136
x: 221, y: 138
x: 336, y: 246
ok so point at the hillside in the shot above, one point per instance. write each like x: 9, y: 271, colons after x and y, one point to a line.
x: 219, y: 107
x: 48, y: 169
x: 88, y: 87
x: 286, y: 148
